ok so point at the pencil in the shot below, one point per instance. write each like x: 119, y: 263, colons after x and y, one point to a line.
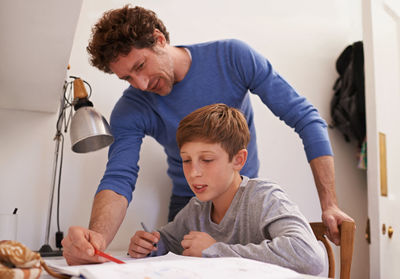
x: 146, y: 230
x: 108, y: 257
x: 144, y: 227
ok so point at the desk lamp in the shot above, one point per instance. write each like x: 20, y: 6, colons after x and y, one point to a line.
x: 89, y: 131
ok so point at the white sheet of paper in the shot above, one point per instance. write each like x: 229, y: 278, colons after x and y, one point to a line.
x: 172, y: 266
x: 61, y: 265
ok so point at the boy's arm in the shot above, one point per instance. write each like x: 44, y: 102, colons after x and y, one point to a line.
x: 289, y: 242
x: 270, y: 228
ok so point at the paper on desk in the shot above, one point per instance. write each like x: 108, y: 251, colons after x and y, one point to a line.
x: 61, y: 265
x: 179, y: 267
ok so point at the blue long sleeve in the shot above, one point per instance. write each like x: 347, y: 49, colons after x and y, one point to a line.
x: 221, y: 72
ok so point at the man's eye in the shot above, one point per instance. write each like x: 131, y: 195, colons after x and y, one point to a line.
x: 140, y: 67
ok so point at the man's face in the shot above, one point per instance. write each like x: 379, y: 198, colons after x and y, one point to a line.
x: 208, y: 171
x: 147, y: 69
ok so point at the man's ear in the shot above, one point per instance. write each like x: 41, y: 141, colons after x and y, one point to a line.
x: 240, y: 159
x: 160, y: 38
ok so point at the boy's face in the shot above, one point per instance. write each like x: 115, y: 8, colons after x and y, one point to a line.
x: 208, y: 171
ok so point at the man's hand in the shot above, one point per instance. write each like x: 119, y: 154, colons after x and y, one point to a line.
x: 79, y: 245
x: 333, y: 218
x: 324, y: 176
x: 142, y: 243
x: 195, y: 242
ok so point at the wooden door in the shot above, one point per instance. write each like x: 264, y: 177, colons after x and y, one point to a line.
x: 381, y: 36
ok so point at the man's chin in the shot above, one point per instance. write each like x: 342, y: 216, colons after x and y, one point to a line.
x: 163, y: 92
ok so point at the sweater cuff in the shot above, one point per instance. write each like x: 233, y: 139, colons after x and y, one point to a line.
x: 318, y: 149
x: 161, y: 249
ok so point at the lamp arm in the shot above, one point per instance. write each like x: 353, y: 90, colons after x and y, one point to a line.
x: 53, y: 185
x: 46, y: 250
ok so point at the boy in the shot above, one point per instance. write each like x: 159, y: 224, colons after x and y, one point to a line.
x: 231, y: 214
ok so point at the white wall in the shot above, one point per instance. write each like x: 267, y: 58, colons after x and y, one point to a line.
x: 302, y: 39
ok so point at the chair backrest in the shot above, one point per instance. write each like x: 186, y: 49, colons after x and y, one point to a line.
x: 347, y: 230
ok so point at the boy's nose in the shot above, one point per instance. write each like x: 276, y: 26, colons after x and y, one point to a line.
x: 195, y: 171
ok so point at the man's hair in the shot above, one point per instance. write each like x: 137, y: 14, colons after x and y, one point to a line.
x: 118, y: 31
x: 217, y: 123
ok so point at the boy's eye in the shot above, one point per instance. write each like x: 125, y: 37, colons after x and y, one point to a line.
x: 207, y: 160
x: 185, y: 161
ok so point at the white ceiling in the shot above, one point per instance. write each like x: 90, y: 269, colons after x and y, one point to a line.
x: 36, y: 41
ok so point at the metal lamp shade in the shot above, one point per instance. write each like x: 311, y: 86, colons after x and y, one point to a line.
x: 89, y: 131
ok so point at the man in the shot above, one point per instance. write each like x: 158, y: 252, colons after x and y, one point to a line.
x: 167, y: 83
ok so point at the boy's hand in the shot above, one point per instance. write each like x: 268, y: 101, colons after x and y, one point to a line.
x: 195, y: 242
x: 142, y: 243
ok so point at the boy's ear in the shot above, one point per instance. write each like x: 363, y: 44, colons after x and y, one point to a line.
x: 240, y: 159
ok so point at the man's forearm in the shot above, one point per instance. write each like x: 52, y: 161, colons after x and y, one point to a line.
x: 108, y: 212
x: 324, y: 176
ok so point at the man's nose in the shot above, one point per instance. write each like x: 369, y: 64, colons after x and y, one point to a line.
x: 141, y: 82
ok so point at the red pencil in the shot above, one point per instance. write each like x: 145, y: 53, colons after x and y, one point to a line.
x: 108, y: 257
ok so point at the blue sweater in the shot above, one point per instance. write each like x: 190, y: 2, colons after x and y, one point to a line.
x: 221, y: 72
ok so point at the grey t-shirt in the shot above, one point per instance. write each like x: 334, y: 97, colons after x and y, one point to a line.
x: 261, y: 224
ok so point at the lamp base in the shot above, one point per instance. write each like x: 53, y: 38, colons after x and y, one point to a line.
x: 47, y: 251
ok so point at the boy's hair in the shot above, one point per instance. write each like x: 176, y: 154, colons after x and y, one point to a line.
x: 217, y: 123
x: 118, y: 31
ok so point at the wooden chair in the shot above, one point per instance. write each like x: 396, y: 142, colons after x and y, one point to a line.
x: 347, y: 230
